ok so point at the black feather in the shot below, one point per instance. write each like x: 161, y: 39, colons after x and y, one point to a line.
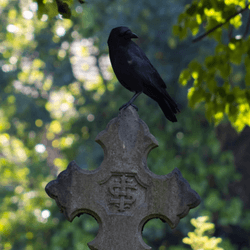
x: 135, y: 72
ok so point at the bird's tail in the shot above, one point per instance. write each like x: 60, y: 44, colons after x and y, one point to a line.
x: 169, y: 108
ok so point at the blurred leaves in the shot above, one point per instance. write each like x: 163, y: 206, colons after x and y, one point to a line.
x: 51, y: 8
x: 218, y: 81
x: 197, y: 240
x: 58, y: 92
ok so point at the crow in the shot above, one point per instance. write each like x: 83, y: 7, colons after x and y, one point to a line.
x: 135, y: 72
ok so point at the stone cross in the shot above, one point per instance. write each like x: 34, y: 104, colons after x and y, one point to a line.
x: 123, y: 194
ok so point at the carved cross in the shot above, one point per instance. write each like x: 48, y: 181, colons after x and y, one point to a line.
x: 123, y: 194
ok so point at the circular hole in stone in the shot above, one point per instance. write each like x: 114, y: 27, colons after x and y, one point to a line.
x: 160, y: 236
x: 88, y: 227
x: 153, y: 233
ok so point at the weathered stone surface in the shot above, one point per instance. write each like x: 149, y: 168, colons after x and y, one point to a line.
x: 123, y: 194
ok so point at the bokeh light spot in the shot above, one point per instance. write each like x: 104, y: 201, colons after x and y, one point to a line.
x: 40, y: 148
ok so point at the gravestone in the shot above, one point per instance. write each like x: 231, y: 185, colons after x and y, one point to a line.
x: 123, y: 194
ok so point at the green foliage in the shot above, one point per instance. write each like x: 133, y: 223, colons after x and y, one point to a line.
x: 218, y: 81
x: 198, y: 240
x: 58, y: 92
x: 54, y: 7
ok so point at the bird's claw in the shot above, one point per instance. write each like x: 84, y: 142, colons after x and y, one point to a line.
x: 124, y: 106
x: 135, y: 107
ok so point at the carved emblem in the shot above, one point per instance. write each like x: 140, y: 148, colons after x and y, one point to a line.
x: 122, y: 188
x: 125, y: 191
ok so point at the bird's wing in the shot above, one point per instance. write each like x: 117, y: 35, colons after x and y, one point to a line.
x: 142, y: 65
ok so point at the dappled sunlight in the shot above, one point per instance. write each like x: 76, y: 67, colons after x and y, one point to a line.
x: 28, y: 14
x: 61, y: 105
x: 40, y: 148
x: 80, y: 51
x: 60, y: 31
x: 13, y: 149
x: 45, y: 214
x: 84, y: 64
x: 90, y: 118
x: 4, y: 122
x: 61, y: 164
x: 58, y: 91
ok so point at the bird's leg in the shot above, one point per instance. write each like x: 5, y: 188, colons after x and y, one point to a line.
x: 124, y: 106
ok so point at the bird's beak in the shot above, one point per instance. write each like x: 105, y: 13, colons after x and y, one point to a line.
x: 133, y: 35
x: 129, y: 34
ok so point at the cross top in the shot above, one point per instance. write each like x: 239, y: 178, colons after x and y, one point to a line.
x: 123, y: 194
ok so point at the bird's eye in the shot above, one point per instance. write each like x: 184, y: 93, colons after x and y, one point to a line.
x: 124, y: 33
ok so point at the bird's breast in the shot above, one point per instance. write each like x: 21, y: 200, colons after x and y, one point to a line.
x: 124, y: 67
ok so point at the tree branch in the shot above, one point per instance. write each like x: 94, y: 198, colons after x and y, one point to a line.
x: 219, y: 25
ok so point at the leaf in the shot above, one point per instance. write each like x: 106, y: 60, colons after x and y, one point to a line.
x: 195, y: 96
x: 230, y: 98
x: 175, y: 30
x: 212, y: 85
x: 194, y: 66
x: 247, y: 94
x: 209, y: 111
x: 184, y: 77
x: 247, y: 76
x: 233, y: 111
x: 63, y: 9
x: 221, y: 91
x: 210, y: 61
x: 41, y: 9
x: 236, y: 21
x: 191, y: 11
x: 218, y: 117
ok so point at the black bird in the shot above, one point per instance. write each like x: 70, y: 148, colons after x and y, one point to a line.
x: 135, y: 72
